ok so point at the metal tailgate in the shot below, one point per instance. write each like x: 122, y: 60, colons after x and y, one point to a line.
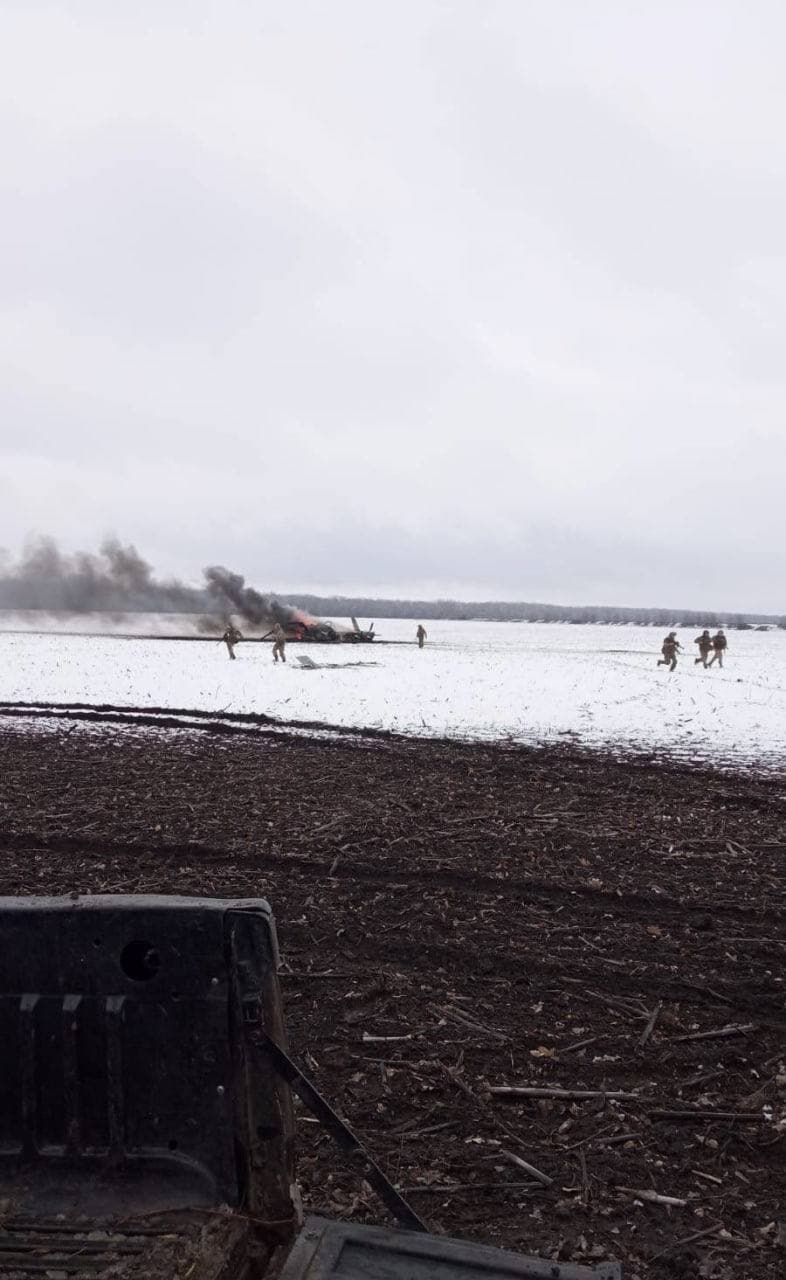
x: 342, y: 1251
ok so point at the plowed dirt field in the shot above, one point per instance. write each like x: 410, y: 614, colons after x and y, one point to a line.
x: 455, y: 919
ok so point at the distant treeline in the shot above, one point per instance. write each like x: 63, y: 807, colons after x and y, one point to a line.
x: 510, y: 611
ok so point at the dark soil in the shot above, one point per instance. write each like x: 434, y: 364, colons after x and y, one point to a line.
x: 454, y: 918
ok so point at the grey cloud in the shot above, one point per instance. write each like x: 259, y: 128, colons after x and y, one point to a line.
x: 149, y: 238
x: 433, y: 293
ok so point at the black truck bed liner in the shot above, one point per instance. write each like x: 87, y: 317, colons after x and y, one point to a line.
x: 184, y: 1248
x: 146, y: 1123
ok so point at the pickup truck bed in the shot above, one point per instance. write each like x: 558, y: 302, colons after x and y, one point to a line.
x: 176, y: 1249
x: 146, y: 1124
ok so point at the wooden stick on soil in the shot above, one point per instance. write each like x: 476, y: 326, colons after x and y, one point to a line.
x: 455, y: 1075
x: 585, y: 1195
x: 753, y: 1117
x: 615, y: 1138
x: 734, y: 1029
x: 542, y: 1178
x: 458, y: 1015
x: 686, y: 1240
x: 422, y: 1133
x: 650, y: 1027
x: 371, y: 1039
x: 437, y: 1188
x: 525, y: 1091
x: 579, y: 1044
x: 654, y: 1197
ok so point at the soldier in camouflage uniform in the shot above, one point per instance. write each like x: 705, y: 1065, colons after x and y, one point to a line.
x: 704, y: 641
x: 230, y: 638
x: 279, y: 642
x: 719, y: 645
x: 670, y: 649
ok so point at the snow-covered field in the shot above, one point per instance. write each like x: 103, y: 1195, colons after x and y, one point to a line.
x: 526, y: 682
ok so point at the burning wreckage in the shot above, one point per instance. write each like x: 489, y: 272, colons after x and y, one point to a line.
x: 318, y: 631
x: 230, y: 592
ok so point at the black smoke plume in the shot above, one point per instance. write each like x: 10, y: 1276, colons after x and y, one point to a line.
x: 230, y: 593
x: 116, y: 580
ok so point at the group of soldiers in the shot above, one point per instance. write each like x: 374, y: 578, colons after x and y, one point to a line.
x: 707, y: 644
x: 232, y: 637
x: 277, y: 634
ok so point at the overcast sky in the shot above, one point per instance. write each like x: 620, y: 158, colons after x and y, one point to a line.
x: 415, y: 296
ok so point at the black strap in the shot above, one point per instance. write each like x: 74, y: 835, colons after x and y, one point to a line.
x: 343, y: 1135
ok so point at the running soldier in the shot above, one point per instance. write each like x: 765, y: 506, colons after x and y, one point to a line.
x: 421, y: 635
x: 704, y: 642
x: 279, y: 642
x: 670, y: 649
x: 719, y: 645
x: 230, y: 638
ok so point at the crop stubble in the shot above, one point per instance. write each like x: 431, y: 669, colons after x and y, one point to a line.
x: 455, y: 919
